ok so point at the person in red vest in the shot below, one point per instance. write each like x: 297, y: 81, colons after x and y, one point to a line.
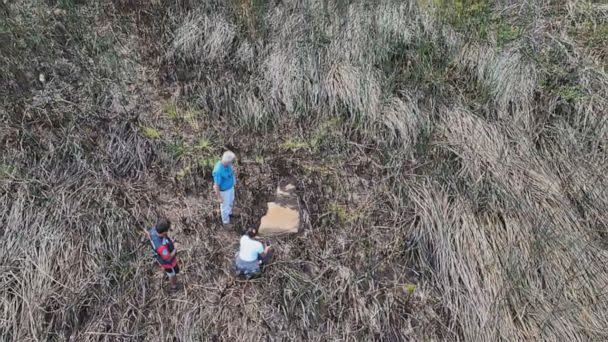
x: 164, y: 250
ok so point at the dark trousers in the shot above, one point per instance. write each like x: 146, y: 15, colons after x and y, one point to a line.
x: 267, y: 258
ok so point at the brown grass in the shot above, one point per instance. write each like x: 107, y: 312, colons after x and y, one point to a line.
x: 450, y: 161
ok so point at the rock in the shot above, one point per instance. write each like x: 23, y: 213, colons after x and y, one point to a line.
x: 283, y: 215
x: 279, y: 219
x: 59, y: 12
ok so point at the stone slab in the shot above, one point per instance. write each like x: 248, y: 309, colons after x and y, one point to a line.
x: 282, y: 215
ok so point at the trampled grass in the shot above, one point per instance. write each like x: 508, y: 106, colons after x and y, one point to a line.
x: 450, y: 161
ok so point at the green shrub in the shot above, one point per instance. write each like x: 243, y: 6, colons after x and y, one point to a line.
x: 151, y: 132
x: 507, y: 33
x: 472, y: 16
x: 171, y: 110
x: 295, y: 145
x: 176, y: 149
x: 203, y: 144
x: 206, y: 162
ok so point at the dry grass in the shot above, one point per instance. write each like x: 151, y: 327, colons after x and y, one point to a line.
x: 451, y: 163
x: 203, y: 38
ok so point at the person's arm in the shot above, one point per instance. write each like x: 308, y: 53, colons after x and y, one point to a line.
x: 172, y: 248
x: 216, y: 190
x: 265, y: 249
x: 216, y: 186
x: 146, y: 235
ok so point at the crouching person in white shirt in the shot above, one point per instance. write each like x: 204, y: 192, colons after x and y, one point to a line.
x: 252, y: 255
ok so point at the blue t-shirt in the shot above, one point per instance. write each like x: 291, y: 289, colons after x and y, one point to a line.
x: 223, y: 176
x: 249, y: 248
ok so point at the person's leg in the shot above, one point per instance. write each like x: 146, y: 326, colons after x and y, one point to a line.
x: 176, y: 270
x: 172, y: 273
x: 237, y: 267
x: 230, y: 201
x: 224, y: 207
x: 234, y: 210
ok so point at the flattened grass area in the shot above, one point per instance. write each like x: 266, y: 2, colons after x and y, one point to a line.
x: 450, y: 158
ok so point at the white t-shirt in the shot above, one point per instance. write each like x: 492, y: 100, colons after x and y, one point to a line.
x: 250, y: 249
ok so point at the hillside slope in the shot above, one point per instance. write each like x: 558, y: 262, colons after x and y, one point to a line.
x: 451, y: 163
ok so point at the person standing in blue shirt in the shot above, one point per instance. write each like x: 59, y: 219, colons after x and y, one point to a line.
x: 224, y: 181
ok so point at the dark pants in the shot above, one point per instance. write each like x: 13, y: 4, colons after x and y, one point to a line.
x: 253, y: 268
x: 267, y: 258
x: 172, y: 272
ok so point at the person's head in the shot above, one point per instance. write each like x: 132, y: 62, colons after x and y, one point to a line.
x: 251, y: 232
x: 228, y: 158
x: 163, y: 225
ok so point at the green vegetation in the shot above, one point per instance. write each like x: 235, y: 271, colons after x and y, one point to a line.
x: 409, y: 288
x: 203, y: 148
x: 151, y: 132
x: 343, y: 214
x: 571, y: 93
x: 183, y: 172
x: 176, y: 149
x: 597, y: 36
x: 204, y: 144
x: 471, y: 16
x: 295, y: 145
x: 320, y: 138
x: 171, y: 110
x: 594, y: 36
x: 207, y: 163
x: 189, y: 115
x: 339, y: 211
x: 7, y: 171
x: 508, y: 33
